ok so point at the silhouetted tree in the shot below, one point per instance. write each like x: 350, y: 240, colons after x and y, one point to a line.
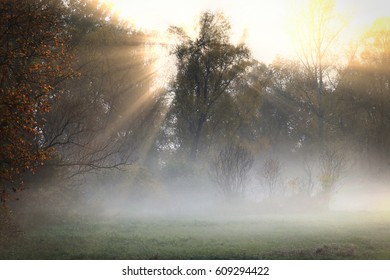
x: 270, y: 175
x: 332, y: 164
x: 363, y: 96
x: 207, y: 69
x: 318, y: 29
x: 230, y: 170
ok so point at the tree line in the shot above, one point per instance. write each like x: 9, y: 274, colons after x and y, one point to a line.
x: 78, y: 96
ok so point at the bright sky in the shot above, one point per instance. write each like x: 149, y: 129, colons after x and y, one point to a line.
x: 267, y: 22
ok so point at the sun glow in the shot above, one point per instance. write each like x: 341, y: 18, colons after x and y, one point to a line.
x: 261, y: 23
x: 266, y: 25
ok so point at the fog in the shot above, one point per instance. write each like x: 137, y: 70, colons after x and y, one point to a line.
x: 118, y: 194
x: 183, y: 135
x: 173, y: 217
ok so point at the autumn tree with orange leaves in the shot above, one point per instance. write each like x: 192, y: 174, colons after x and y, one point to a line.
x: 33, y: 60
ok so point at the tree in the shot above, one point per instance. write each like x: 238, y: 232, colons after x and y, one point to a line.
x: 376, y: 78
x: 363, y: 95
x: 207, y: 69
x: 271, y: 175
x: 230, y: 170
x: 288, y: 111
x: 245, y: 120
x: 317, y: 31
x: 33, y: 61
x: 332, y: 164
x: 105, y: 114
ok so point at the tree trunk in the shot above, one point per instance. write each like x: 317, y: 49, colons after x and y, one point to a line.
x: 320, y: 108
x: 195, y: 141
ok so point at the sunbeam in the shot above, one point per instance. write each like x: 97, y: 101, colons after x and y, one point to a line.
x: 208, y: 129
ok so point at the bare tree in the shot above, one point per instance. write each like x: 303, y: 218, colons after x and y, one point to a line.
x: 308, y: 181
x: 332, y: 163
x: 230, y: 169
x: 270, y: 174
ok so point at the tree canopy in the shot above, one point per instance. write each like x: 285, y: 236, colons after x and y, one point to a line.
x: 208, y: 68
x: 34, y: 60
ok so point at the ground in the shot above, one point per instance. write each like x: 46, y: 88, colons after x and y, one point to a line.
x: 336, y: 235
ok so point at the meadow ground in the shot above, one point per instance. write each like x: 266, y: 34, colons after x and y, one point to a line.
x: 338, y: 235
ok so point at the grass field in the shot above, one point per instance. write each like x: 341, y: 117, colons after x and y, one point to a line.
x: 331, y: 236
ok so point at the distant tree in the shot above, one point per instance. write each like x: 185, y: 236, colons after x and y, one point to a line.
x: 375, y: 58
x: 288, y: 112
x: 363, y: 95
x: 207, y: 69
x: 308, y: 178
x: 248, y: 103
x: 332, y: 164
x: 33, y: 61
x: 230, y: 170
x: 318, y: 28
x: 270, y: 176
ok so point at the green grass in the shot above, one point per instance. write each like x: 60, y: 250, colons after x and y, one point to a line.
x: 334, y: 236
